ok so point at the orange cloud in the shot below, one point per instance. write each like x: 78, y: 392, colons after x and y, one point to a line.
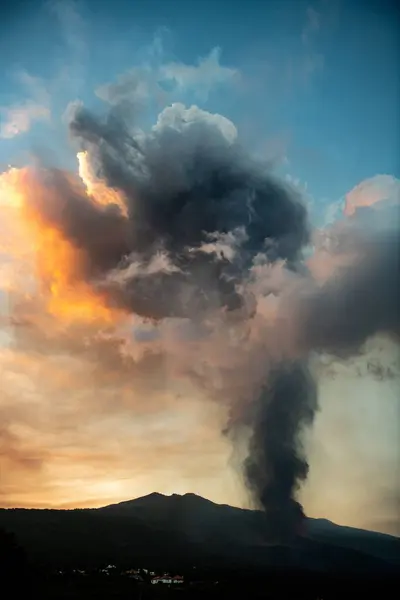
x: 372, y: 191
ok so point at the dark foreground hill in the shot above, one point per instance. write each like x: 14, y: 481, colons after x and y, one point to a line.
x: 182, y: 531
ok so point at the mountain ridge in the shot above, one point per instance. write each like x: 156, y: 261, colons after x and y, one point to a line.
x: 191, y: 529
x: 323, y: 523
x: 201, y: 499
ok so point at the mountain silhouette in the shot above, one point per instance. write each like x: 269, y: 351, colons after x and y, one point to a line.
x: 187, y: 530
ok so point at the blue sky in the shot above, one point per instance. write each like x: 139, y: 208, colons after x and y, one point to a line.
x: 318, y: 81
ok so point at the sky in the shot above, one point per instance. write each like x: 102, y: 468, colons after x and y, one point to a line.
x: 314, y: 87
x: 319, y: 81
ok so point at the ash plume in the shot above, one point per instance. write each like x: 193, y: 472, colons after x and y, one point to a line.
x: 277, y: 465
x: 204, y: 233
x: 183, y: 182
x: 199, y: 211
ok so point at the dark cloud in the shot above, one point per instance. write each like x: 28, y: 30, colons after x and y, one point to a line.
x: 362, y: 298
x: 183, y: 181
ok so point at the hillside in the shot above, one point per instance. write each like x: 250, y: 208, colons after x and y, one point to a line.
x: 188, y: 530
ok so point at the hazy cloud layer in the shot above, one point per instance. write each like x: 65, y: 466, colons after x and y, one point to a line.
x: 19, y: 118
x: 163, y: 82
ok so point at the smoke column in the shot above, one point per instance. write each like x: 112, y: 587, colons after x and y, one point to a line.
x: 276, y: 465
x: 197, y: 211
x: 192, y: 219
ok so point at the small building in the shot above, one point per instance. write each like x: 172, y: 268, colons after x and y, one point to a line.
x: 161, y: 579
x: 167, y: 579
x: 132, y: 572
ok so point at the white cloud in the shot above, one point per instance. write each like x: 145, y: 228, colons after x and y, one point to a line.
x: 145, y: 81
x: 135, y: 86
x: 333, y: 212
x: 19, y: 118
x: 372, y: 191
x: 202, y: 77
x: 368, y: 193
x: 180, y: 118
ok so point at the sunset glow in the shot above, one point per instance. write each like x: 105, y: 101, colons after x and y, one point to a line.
x: 58, y: 265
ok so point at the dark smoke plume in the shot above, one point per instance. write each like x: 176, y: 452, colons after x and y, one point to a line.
x: 187, y: 184
x: 184, y: 181
x: 194, y: 197
x: 276, y: 465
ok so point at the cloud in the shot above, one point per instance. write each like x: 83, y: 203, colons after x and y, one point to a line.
x: 371, y: 192
x: 135, y: 87
x: 18, y: 119
x: 355, y: 443
x: 333, y: 211
x: 200, y: 78
x: 164, y: 81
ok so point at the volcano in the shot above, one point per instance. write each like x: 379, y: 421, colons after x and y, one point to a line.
x: 186, y: 530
